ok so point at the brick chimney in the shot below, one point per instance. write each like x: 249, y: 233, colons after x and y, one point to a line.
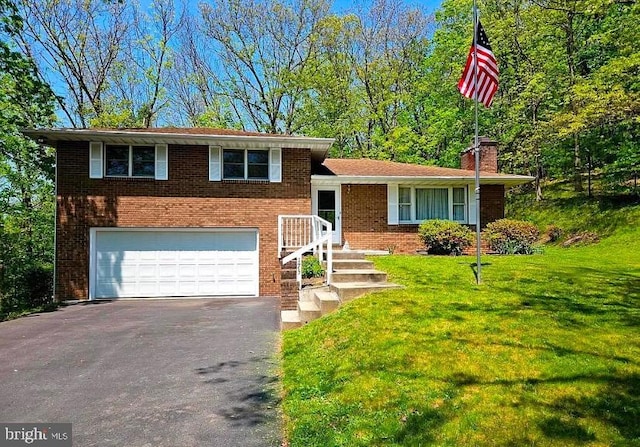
x: 488, y: 156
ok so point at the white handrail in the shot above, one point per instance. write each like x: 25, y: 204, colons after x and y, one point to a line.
x: 304, y: 233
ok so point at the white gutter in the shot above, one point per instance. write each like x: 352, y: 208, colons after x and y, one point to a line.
x: 503, y: 179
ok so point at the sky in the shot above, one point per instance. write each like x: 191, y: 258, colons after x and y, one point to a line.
x: 344, y: 5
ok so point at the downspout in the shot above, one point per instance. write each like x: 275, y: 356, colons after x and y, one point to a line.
x: 55, y: 224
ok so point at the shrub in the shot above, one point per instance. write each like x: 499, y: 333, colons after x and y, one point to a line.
x: 508, y: 236
x: 444, y: 237
x: 26, y: 288
x: 311, y: 267
x: 554, y: 233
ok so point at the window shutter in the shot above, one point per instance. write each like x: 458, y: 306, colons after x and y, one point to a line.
x: 95, y: 159
x: 472, y: 204
x: 275, y: 165
x: 162, y: 162
x: 215, y: 166
x: 392, y: 204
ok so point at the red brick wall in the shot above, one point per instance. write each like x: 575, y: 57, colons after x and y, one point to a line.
x: 491, y: 203
x: 364, y: 218
x: 488, y: 157
x: 364, y: 221
x: 187, y: 199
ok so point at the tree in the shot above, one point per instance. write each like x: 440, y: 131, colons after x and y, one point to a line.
x: 138, y: 79
x: 361, y: 77
x: 75, y: 44
x: 261, y: 47
x: 26, y: 172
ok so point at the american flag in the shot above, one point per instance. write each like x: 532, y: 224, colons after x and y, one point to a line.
x: 487, y: 71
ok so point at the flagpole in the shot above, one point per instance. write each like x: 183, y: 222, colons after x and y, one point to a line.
x: 476, y: 145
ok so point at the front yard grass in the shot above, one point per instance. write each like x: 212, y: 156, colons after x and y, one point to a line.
x: 545, y: 352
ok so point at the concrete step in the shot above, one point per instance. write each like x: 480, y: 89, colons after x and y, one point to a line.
x: 290, y: 319
x: 307, y: 293
x: 352, y: 264
x: 308, y: 311
x: 358, y: 275
x: 326, y: 301
x: 347, y: 254
x: 349, y: 291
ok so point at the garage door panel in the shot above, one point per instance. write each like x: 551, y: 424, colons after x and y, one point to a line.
x: 245, y: 286
x: 143, y: 255
x: 147, y: 288
x: 175, y: 263
x: 170, y: 288
x: 168, y: 256
x: 148, y: 271
x: 187, y: 288
x: 187, y: 256
x: 168, y: 270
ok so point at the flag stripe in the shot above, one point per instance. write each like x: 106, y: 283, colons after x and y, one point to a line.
x: 487, y: 68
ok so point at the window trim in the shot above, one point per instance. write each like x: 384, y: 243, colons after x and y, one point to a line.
x: 246, y: 165
x: 410, y: 203
x: 413, y: 205
x: 130, y: 161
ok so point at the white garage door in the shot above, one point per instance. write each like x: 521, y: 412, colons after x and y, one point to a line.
x: 164, y: 263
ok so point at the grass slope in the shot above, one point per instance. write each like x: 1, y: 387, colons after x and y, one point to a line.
x: 545, y: 352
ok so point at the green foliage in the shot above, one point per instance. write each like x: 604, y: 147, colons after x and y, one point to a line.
x: 444, y: 237
x: 508, y: 236
x: 26, y: 287
x: 311, y: 267
x: 26, y: 178
x: 603, y: 214
x: 447, y: 362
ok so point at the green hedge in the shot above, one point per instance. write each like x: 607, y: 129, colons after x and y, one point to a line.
x: 444, y: 237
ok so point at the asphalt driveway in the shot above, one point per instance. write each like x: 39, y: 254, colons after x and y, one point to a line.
x: 146, y: 373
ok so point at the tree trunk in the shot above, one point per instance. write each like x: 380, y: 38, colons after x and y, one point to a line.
x: 538, y: 183
x: 571, y: 51
x: 577, y: 175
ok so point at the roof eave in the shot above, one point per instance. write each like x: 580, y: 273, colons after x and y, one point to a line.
x: 507, y: 180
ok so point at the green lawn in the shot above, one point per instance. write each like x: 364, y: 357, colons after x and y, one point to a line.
x: 545, y: 352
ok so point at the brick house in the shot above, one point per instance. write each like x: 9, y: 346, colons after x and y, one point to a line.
x: 200, y: 212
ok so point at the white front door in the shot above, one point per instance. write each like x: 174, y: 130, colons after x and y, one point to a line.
x: 326, y: 204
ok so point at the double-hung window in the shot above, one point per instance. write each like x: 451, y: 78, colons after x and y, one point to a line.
x: 416, y: 204
x: 404, y: 204
x: 459, y: 204
x: 245, y: 164
x: 129, y: 161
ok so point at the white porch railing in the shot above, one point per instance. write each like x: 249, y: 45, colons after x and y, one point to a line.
x: 304, y: 234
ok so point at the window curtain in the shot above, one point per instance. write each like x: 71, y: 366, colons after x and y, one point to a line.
x: 432, y: 203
